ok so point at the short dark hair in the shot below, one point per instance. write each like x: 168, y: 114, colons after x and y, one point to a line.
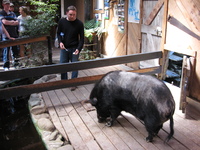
x: 25, y: 9
x: 71, y: 8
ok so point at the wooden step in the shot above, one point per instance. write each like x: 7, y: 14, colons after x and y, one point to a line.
x: 171, y: 74
x: 175, y: 58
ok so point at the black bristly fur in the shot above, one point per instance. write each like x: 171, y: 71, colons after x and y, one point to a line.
x: 144, y: 96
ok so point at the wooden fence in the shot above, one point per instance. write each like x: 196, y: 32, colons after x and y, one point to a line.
x: 59, y: 68
x: 24, y: 40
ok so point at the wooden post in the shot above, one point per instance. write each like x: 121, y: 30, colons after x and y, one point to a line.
x: 49, y: 49
x: 183, y: 85
x: 192, y: 72
x: 187, y: 71
x: 164, y: 60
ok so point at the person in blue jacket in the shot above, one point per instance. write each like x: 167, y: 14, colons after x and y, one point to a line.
x: 11, y: 23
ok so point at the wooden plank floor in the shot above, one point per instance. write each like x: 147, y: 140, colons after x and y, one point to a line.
x: 78, y: 123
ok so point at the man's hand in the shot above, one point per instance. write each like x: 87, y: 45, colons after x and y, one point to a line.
x: 11, y: 38
x: 76, y: 52
x: 62, y: 46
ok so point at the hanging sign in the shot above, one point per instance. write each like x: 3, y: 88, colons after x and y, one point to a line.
x: 134, y: 11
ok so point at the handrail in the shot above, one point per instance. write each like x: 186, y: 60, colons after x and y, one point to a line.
x: 59, y: 68
x: 81, y: 65
x: 41, y: 87
x: 25, y: 40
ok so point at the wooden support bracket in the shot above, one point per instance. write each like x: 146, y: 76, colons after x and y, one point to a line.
x: 155, y: 11
x: 185, y: 80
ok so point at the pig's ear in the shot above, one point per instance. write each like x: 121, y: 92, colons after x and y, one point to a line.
x: 93, y: 101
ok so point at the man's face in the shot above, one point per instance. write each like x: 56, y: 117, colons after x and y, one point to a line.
x: 6, y: 6
x: 11, y: 8
x: 71, y: 15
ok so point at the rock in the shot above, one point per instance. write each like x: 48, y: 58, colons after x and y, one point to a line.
x: 38, y: 109
x: 46, y: 124
x: 35, y: 95
x: 38, y: 81
x: 58, y: 76
x: 46, y: 135
x: 48, y: 77
x: 55, y: 144
x: 53, y: 135
x: 43, y: 115
x: 66, y: 147
x: 59, y: 137
x: 33, y: 101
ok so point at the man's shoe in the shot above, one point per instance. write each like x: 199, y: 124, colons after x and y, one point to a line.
x: 73, y: 88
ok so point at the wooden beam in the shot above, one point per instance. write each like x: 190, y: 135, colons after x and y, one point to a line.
x: 182, y: 27
x: 183, y: 86
x: 150, y: 30
x: 193, y: 64
x: 164, y: 60
x: 149, y: 71
x: 41, y: 87
x: 180, y: 50
x: 49, y: 49
x: 81, y: 65
x: 20, y: 41
x: 155, y: 11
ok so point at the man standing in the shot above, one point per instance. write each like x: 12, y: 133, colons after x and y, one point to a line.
x: 11, y: 23
x: 12, y: 8
x: 70, y: 35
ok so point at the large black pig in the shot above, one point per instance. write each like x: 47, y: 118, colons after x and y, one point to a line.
x: 144, y: 96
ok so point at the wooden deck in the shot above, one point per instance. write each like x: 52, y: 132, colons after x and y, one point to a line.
x: 78, y: 123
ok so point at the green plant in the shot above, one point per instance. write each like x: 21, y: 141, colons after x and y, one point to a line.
x: 92, y: 27
x: 87, y: 54
x: 41, y: 23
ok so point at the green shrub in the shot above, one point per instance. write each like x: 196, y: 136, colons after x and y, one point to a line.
x: 41, y: 23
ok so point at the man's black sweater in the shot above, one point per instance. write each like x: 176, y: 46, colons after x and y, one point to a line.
x: 73, y: 33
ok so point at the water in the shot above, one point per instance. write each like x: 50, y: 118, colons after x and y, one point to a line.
x: 17, y: 131
x: 16, y: 128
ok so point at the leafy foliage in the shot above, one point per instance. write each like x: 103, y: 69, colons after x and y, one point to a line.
x: 41, y: 23
x: 91, y: 24
x: 91, y: 27
x: 86, y: 54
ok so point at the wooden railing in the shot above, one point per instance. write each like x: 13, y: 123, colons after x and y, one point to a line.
x: 25, y: 40
x: 187, y: 73
x: 59, y: 68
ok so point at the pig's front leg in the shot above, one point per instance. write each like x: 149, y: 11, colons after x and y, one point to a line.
x: 115, y: 112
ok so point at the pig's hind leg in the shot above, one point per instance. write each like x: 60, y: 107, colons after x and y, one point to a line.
x: 152, y: 126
